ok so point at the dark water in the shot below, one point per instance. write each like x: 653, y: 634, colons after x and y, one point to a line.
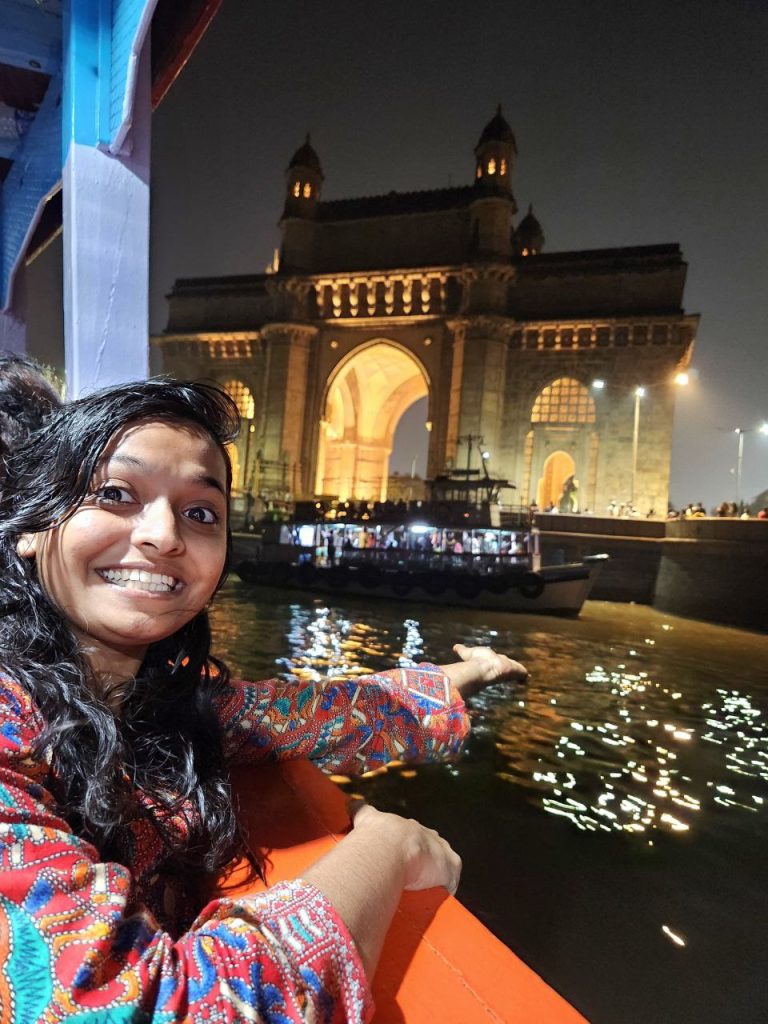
x: 611, y: 815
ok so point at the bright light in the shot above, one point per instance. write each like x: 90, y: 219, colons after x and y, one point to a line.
x: 764, y: 428
x: 682, y: 380
x: 486, y: 454
x: 598, y: 385
x: 640, y: 392
x: 419, y: 528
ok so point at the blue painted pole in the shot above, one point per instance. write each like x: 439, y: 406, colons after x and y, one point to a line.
x: 105, y: 206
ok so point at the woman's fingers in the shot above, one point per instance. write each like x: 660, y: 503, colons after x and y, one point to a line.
x: 490, y: 665
x: 427, y: 859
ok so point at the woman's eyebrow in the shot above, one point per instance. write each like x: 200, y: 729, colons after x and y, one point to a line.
x: 203, y: 479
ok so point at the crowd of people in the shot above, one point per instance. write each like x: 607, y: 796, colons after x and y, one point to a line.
x: 725, y: 510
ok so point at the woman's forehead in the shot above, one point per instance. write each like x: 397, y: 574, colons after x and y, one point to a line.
x: 156, y: 441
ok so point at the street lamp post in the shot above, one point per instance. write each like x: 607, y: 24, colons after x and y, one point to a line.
x: 639, y: 393
x: 739, y: 463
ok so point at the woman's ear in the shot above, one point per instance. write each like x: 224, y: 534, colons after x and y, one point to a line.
x: 26, y: 545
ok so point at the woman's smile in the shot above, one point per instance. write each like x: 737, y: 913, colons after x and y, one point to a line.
x: 141, y: 580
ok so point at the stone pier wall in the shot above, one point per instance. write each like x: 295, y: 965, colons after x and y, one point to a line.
x: 710, y: 569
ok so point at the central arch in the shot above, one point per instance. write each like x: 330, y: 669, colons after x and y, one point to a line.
x: 367, y: 394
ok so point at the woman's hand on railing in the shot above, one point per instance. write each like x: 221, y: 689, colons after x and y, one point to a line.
x: 365, y: 874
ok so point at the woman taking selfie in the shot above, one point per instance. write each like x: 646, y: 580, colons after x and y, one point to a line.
x: 118, y: 728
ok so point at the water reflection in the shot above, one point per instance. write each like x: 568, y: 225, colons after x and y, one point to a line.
x: 603, y: 735
x: 611, y: 812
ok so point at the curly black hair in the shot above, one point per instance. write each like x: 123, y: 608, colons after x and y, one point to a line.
x: 164, y: 738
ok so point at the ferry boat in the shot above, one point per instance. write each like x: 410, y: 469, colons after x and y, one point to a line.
x: 440, y: 552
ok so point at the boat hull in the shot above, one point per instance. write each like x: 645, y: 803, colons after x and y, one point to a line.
x: 553, y: 590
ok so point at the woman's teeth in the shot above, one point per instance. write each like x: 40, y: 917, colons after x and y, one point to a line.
x: 140, y: 579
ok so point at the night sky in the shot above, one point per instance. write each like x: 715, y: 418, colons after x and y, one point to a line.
x: 636, y: 123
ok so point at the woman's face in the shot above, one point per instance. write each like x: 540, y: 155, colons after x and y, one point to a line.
x: 145, y: 551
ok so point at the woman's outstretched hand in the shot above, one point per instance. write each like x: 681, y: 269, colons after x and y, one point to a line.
x: 481, y: 666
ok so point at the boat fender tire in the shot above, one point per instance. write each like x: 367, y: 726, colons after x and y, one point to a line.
x: 402, y: 583
x: 246, y: 570
x: 531, y: 585
x: 498, y: 584
x: 434, y: 583
x: 468, y: 587
x: 369, y: 577
x: 280, y: 574
x: 305, y: 574
x: 338, y: 577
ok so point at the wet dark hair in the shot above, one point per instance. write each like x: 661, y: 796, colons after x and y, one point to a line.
x: 164, y: 738
x: 27, y: 398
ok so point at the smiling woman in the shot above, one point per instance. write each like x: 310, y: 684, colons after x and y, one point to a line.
x: 118, y: 729
x: 145, y: 549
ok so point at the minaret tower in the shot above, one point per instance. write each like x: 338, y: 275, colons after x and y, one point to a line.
x: 494, y: 205
x: 304, y: 180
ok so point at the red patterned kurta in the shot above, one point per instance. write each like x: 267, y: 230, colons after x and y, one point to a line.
x: 88, y: 942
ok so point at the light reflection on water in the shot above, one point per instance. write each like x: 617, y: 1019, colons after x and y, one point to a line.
x: 635, y: 727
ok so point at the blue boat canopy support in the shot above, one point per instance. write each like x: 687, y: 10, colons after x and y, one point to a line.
x: 91, y: 133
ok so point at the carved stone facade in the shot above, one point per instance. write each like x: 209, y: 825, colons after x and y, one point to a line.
x: 379, y: 301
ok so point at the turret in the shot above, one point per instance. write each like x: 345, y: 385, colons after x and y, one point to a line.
x: 529, y: 238
x: 495, y: 154
x: 494, y: 204
x: 304, y: 179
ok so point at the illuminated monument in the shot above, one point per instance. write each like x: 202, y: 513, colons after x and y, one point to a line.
x: 378, y: 301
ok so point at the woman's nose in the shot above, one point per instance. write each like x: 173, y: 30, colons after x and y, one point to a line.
x: 158, y: 527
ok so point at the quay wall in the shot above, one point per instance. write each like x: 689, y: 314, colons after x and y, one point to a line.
x: 709, y: 569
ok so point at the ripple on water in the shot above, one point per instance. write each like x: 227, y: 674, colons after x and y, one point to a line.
x: 613, y: 735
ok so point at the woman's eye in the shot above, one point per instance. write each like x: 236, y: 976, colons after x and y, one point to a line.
x: 113, y: 494
x: 201, y: 515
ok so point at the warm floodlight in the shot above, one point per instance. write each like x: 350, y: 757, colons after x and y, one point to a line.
x: 640, y: 392
x: 682, y: 380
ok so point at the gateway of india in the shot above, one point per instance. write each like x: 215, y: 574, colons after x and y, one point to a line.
x: 373, y: 303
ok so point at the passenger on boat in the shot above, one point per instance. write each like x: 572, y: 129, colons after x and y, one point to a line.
x: 118, y: 728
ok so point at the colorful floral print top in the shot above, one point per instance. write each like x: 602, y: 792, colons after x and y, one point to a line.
x: 88, y: 942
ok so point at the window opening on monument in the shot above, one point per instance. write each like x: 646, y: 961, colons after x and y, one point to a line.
x: 307, y: 190
x: 503, y: 169
x: 297, y: 189
x: 491, y: 166
x: 479, y: 172
x: 242, y: 397
x: 564, y: 401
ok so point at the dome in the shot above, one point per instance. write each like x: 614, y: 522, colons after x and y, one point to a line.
x: 305, y: 156
x: 497, y: 130
x: 529, y: 236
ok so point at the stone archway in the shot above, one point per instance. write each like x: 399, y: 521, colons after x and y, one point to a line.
x: 366, y: 396
x: 556, y: 469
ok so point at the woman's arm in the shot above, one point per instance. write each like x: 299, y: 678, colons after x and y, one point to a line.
x: 355, y: 725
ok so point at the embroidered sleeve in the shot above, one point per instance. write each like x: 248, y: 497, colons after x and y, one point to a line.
x: 74, y: 947
x: 349, y: 726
